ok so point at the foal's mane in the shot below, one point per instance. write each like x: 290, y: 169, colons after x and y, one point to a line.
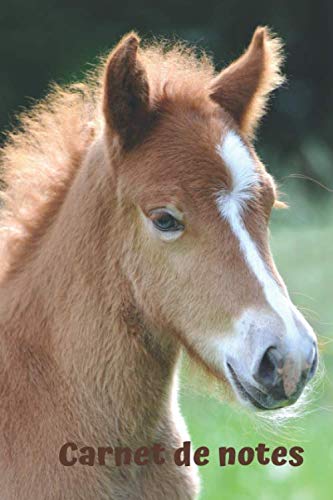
x: 42, y: 155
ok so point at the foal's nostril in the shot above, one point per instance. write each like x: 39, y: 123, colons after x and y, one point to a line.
x: 269, y: 369
x: 283, y: 374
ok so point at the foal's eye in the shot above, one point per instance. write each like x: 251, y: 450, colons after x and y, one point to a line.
x: 165, y: 222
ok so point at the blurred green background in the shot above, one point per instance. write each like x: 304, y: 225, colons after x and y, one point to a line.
x: 43, y: 41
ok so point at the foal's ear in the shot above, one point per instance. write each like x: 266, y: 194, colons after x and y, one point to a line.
x: 126, y: 92
x: 243, y: 88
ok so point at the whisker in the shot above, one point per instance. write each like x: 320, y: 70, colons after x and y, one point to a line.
x: 307, y: 178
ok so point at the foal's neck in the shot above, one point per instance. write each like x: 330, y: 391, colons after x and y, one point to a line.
x: 85, y: 315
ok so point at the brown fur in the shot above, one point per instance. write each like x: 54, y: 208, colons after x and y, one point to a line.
x: 93, y: 310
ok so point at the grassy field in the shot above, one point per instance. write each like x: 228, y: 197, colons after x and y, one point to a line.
x: 302, y: 244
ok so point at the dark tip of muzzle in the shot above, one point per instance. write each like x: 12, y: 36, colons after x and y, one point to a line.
x: 276, y: 374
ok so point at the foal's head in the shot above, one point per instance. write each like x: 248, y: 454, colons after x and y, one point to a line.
x: 195, y: 203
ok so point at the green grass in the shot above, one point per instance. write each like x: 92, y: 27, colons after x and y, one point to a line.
x: 303, y: 251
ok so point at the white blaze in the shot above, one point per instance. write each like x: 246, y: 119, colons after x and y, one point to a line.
x: 231, y: 204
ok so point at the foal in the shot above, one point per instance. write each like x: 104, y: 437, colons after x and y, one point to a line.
x: 135, y: 225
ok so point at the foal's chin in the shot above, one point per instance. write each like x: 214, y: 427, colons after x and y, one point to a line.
x: 253, y: 398
x: 239, y: 392
x: 236, y: 389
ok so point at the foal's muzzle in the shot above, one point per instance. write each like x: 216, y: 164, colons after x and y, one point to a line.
x: 279, y: 376
x: 269, y: 361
